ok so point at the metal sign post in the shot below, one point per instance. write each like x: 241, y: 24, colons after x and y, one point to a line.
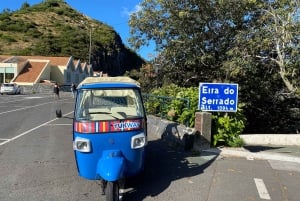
x: 218, y: 97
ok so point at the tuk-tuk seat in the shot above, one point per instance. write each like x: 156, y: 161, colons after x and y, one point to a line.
x: 129, y: 111
x: 99, y: 113
x: 95, y: 110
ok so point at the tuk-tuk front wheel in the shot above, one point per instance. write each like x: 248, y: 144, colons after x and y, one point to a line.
x: 112, y: 191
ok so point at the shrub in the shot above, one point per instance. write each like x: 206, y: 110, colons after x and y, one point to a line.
x: 227, y: 127
x: 168, y: 103
x: 8, y: 38
x: 174, y: 103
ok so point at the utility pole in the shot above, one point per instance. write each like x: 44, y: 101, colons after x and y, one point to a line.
x: 90, y: 48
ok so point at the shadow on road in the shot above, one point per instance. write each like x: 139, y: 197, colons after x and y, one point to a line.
x: 259, y: 148
x: 164, y: 164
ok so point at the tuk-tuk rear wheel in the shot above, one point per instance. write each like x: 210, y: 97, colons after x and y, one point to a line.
x: 112, y: 191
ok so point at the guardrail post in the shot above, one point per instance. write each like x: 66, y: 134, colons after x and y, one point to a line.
x: 203, y: 124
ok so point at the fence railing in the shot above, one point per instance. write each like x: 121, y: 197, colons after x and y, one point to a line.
x: 164, y: 106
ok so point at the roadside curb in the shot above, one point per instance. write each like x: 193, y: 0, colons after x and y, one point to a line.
x: 240, y: 152
x: 271, y: 139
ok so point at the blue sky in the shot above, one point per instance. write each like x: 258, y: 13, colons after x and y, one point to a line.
x: 114, y: 13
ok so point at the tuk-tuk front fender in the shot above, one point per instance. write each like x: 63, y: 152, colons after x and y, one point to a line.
x: 111, y: 165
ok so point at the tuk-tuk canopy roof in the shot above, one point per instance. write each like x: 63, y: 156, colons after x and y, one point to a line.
x: 119, y: 79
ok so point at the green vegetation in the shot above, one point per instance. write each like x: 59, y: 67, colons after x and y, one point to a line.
x: 168, y: 102
x: 174, y: 103
x: 254, y: 43
x: 53, y: 28
x: 227, y: 127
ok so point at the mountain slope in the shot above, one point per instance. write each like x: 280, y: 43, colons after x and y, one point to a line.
x: 53, y: 28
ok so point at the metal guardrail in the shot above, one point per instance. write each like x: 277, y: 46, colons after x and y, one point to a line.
x: 162, y: 106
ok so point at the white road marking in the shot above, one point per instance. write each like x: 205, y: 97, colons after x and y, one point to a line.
x: 59, y: 124
x: 3, y: 139
x: 24, y: 108
x: 285, y: 165
x: 27, y: 132
x: 33, y: 97
x: 262, y: 189
x: 27, y: 107
x: 20, y: 99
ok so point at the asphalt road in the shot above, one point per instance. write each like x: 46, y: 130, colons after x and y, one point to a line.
x: 37, y: 164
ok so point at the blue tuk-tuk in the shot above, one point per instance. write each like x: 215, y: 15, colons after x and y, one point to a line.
x: 109, y: 131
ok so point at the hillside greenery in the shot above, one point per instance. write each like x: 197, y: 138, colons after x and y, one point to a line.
x: 53, y: 28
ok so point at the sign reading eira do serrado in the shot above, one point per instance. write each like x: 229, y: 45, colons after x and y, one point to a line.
x: 218, y: 97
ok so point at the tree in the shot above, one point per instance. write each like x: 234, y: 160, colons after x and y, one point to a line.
x: 191, y: 36
x: 251, y: 42
x: 265, y: 62
x: 272, y: 41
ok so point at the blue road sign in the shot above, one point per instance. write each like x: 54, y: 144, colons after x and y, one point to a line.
x: 218, y: 97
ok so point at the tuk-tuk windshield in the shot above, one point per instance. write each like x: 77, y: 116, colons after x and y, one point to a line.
x: 108, y: 104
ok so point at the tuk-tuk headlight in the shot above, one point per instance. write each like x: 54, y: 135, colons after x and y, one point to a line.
x: 82, y: 145
x: 138, y: 141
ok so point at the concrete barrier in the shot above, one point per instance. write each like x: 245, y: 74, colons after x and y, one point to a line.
x: 181, y: 136
x: 271, y: 139
x: 175, y: 134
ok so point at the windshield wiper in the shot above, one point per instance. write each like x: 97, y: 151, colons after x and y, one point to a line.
x: 99, y: 112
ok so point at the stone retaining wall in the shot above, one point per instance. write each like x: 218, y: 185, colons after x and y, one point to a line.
x: 176, y: 135
x: 200, y: 136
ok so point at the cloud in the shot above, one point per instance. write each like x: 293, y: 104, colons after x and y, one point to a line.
x: 126, y: 12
